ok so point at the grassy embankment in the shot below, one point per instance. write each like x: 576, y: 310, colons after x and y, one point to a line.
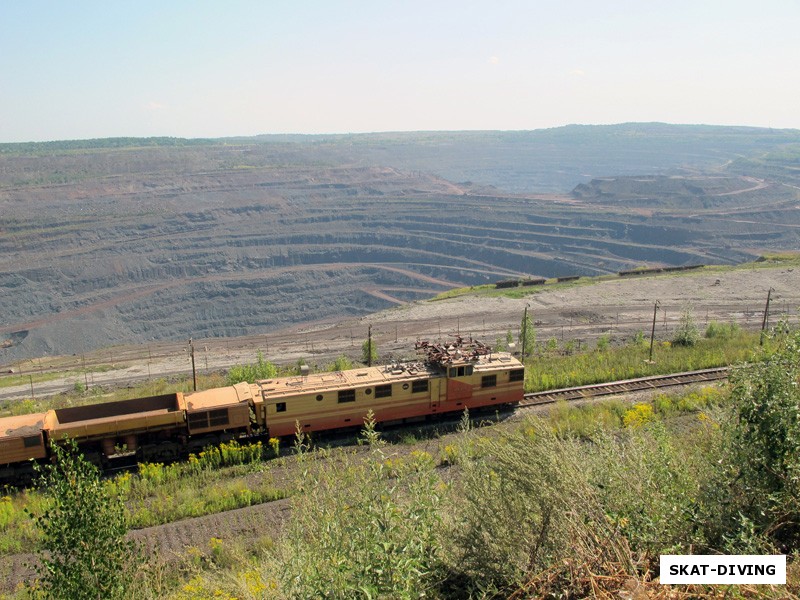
x: 559, y: 368
x: 160, y: 494
x: 766, y: 261
x: 215, y: 480
x: 578, y: 503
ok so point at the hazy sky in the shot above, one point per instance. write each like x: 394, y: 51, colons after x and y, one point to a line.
x: 82, y: 69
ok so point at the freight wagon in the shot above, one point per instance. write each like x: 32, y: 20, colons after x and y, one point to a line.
x: 446, y: 379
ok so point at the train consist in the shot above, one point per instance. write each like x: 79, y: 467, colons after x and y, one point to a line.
x: 447, y: 378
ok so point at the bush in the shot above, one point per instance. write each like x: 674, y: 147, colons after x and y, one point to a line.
x: 529, y: 508
x: 262, y: 369
x: 764, y: 437
x: 724, y: 331
x: 342, y: 363
x: 369, y: 352
x: 686, y: 334
x: 527, y: 333
x: 638, y: 415
x: 84, y: 553
x: 603, y: 342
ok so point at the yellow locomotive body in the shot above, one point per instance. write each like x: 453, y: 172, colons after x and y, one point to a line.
x: 394, y: 393
x: 167, y: 427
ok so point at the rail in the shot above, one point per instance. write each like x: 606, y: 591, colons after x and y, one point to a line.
x: 624, y: 386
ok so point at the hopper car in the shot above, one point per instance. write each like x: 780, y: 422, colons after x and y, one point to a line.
x: 446, y: 379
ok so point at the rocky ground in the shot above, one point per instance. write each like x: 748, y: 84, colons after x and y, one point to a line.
x: 120, y: 242
x: 617, y: 307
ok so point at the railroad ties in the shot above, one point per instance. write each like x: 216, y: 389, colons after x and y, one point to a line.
x: 624, y: 386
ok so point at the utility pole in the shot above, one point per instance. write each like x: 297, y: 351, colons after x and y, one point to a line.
x: 524, y: 333
x: 653, y: 330
x: 194, y: 373
x: 369, y: 346
x: 85, y: 376
x: 766, y: 315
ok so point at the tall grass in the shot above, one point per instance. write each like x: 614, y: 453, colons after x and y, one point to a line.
x: 530, y: 510
x: 554, y: 370
x: 218, y: 479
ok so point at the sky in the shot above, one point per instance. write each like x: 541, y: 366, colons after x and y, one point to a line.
x: 82, y: 69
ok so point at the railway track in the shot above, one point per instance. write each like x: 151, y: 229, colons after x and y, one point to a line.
x: 624, y: 386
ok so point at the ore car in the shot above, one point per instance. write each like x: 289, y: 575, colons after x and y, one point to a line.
x: 446, y: 379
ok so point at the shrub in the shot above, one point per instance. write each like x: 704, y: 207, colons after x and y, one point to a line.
x: 369, y: 352
x: 527, y: 333
x: 449, y: 455
x: 647, y: 481
x: 603, y: 342
x: 638, y: 415
x: 764, y: 438
x: 686, y: 334
x: 724, y: 331
x: 342, y: 363
x: 84, y: 553
x: 261, y: 369
x: 529, y: 508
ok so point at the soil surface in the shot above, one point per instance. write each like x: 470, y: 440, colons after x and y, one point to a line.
x: 618, y: 307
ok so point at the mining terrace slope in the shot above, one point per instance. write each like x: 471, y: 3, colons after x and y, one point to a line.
x: 104, y: 242
x: 576, y: 312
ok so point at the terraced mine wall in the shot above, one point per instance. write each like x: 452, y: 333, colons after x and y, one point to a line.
x: 137, y: 244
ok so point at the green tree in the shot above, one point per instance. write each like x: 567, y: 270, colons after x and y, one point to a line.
x: 528, y: 334
x: 687, y: 333
x: 369, y: 352
x: 84, y: 553
x: 603, y: 342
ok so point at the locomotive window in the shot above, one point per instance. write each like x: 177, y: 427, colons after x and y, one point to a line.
x: 280, y: 407
x: 347, y: 396
x: 418, y: 386
x: 218, y: 417
x: 368, y: 391
x: 489, y: 381
x: 319, y: 397
x: 383, y: 391
x: 198, y: 420
x: 517, y: 375
x: 461, y: 371
x: 31, y: 440
x: 208, y: 418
